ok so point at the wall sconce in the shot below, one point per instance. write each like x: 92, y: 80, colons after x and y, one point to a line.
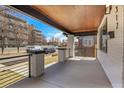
x: 111, y: 34
x: 108, y: 9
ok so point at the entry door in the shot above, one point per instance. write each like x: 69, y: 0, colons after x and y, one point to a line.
x: 85, y: 46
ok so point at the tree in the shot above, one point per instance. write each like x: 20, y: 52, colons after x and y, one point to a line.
x: 20, y: 38
x: 19, y: 33
x: 4, y: 26
x: 31, y: 35
x: 18, y: 28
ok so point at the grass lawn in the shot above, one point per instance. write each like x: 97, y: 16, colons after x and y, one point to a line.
x: 51, y: 58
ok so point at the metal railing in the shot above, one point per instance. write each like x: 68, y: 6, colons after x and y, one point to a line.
x: 13, y: 69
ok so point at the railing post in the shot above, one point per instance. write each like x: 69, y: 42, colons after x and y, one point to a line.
x: 29, y: 65
x: 36, y: 63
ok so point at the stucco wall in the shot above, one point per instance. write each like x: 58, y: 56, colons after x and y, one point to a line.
x: 112, y: 61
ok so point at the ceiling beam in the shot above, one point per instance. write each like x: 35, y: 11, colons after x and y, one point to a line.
x: 41, y: 16
x: 86, y: 33
x: 85, y: 30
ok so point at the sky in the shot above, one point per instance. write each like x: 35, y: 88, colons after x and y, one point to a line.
x: 47, y: 30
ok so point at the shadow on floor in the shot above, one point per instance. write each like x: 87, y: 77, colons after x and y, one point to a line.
x: 70, y: 74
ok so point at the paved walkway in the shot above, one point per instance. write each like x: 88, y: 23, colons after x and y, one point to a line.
x: 71, y: 74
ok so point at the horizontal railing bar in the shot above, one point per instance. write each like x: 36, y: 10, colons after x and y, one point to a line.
x: 18, y: 64
x: 12, y: 81
x: 14, y: 57
x: 7, y: 72
x: 19, y: 67
x: 4, y: 72
x: 12, y: 74
x: 17, y: 61
x: 13, y: 66
x: 10, y: 78
x: 6, y: 75
x: 14, y: 71
x: 20, y: 70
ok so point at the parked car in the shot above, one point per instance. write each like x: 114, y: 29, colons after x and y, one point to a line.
x: 52, y: 50
x: 46, y: 50
x: 49, y: 50
x: 33, y: 48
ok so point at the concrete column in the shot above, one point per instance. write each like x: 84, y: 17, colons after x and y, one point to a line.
x: 71, y: 45
x: 37, y: 64
x: 62, y: 54
x: 68, y: 52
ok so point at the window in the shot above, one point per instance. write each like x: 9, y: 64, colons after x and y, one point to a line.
x: 103, y: 37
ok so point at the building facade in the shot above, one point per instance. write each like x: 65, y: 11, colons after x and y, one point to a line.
x: 13, y: 31
x: 16, y: 32
x: 36, y: 37
x: 111, y: 53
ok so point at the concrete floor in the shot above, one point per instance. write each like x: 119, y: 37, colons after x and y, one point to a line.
x: 71, y: 74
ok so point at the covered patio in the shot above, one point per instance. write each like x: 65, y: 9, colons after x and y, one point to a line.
x: 70, y: 71
x: 69, y: 74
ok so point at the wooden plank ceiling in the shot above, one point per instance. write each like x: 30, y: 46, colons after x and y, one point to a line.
x: 70, y: 18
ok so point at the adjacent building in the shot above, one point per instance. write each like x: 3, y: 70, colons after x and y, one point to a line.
x: 16, y: 32
x: 37, y: 37
x: 13, y: 31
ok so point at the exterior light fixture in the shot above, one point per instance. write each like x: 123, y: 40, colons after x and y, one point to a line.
x: 108, y: 9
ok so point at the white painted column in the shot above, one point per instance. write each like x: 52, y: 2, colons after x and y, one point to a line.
x: 71, y: 45
x: 37, y: 64
x: 62, y: 54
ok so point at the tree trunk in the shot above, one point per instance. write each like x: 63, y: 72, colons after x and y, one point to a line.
x: 2, y: 49
x: 18, y: 49
x: 2, y: 44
